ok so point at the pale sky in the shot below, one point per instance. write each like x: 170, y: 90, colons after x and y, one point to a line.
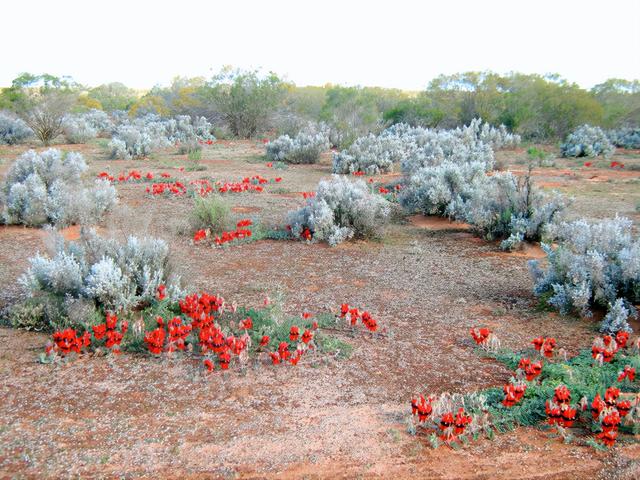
x: 395, y: 43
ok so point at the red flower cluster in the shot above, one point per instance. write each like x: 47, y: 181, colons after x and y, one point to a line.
x: 239, y: 233
x: 67, y: 341
x: 609, y: 413
x: 359, y: 173
x: 530, y: 369
x: 480, y: 335
x: 108, y: 330
x: 161, y: 292
x: 199, y: 235
x: 451, y: 426
x: 201, y: 187
x: 269, y: 164
x: 200, y: 308
x: 175, y: 188
x: 544, y: 345
x: 559, y: 409
x: 513, y: 394
x: 422, y: 408
x: 615, y: 164
x: 628, y: 372
x: 352, y: 315
x: 203, y: 142
x: 306, y: 195
x: 605, y: 348
x: 588, y: 164
x: 178, y: 333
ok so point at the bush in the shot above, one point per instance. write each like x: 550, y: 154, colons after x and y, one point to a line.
x: 46, y: 188
x: 13, y: 130
x: 625, y: 137
x: 594, y: 264
x: 587, y: 141
x: 113, y: 276
x: 511, y: 209
x: 443, y: 189
x: 211, y: 213
x: 417, y: 147
x: 76, y: 129
x: 305, y: 147
x: 340, y: 210
x: 616, y: 319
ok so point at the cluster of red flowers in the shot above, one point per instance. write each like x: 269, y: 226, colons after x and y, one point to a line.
x: 283, y: 355
x: 559, y: 409
x: 544, y: 345
x: 480, y: 335
x: 132, y: 176
x: 530, y: 369
x: 452, y: 427
x: 616, y: 164
x: 175, y: 340
x: 200, y: 307
x: 175, y: 188
x: 201, y: 187
x: 67, y: 341
x: 608, y: 413
x: 306, y: 195
x: 241, y: 232
x: 200, y: 235
x: 604, y: 348
x: 513, y: 393
x: 201, y: 142
x: 109, y: 331
x: 352, y: 315
x: 421, y: 407
x: 248, y: 184
x: 588, y: 164
x: 359, y: 173
x: 629, y: 373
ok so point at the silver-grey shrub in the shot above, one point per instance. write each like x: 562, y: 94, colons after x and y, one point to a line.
x: 13, y: 130
x: 587, y: 141
x: 594, y: 264
x: 305, y: 147
x: 340, y: 210
x: 511, y: 209
x: 46, y: 188
x: 627, y: 137
x: 77, y: 129
x: 116, y: 276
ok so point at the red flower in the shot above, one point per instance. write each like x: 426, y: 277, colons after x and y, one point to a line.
x: 344, y: 309
x: 611, y: 396
x: 162, y: 292
x: 111, y: 321
x: 306, y: 315
x: 628, y: 372
x: 99, y: 331
x: 294, y: 333
x: 155, y: 340
x: 622, y: 338
x: 270, y: 164
x: 588, y: 164
x: 224, y: 359
x: 624, y: 407
x: 314, y: 325
x: 209, y: 364
x: 597, y: 406
x: 199, y: 235
x: 246, y: 324
x: 264, y: 341
x: 480, y: 335
x: 307, y: 336
x: 306, y: 234
x: 275, y: 358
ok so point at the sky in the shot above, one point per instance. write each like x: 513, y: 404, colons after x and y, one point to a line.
x: 393, y: 43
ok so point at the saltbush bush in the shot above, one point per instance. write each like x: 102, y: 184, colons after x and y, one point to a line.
x: 504, y: 207
x: 76, y: 129
x: 417, y: 147
x: 13, y: 130
x: 587, y: 141
x: 46, y: 187
x: 594, y: 264
x: 305, y: 147
x: 114, y: 276
x: 625, y: 137
x: 340, y: 210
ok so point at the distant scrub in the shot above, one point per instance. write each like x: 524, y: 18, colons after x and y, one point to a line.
x: 13, y: 130
x: 587, y: 141
x: 340, y: 210
x: 46, y: 188
x: 594, y: 264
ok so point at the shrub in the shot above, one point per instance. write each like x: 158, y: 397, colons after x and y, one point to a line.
x: 371, y: 154
x: 625, y: 137
x: 442, y: 189
x: 77, y: 129
x: 112, y: 275
x: 210, y: 213
x: 13, y: 130
x: 340, y: 210
x: 587, y: 141
x: 595, y: 263
x: 136, y: 141
x: 512, y: 209
x: 305, y: 147
x: 616, y: 319
x: 46, y: 188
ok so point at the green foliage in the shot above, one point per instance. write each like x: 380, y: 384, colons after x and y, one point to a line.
x: 212, y: 213
x: 113, y: 96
